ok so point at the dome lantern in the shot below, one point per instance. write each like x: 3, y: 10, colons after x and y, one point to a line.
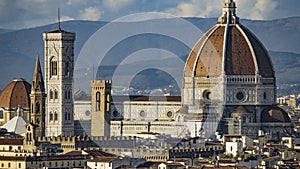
x: 229, y: 15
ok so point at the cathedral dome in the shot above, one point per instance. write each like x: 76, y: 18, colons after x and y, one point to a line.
x: 274, y: 115
x: 16, y: 94
x: 228, y: 48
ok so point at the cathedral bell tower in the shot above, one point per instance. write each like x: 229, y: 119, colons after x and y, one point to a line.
x: 59, y: 67
x: 37, y: 99
x: 101, y: 103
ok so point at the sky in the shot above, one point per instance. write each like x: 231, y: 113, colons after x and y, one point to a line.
x: 19, y: 14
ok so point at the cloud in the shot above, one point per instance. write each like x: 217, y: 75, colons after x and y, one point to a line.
x: 263, y: 9
x: 197, y: 8
x: 250, y: 9
x: 90, y: 13
x: 116, y: 5
x: 66, y: 18
x: 17, y: 14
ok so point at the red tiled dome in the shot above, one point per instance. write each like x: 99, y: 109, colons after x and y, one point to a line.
x: 228, y: 48
x: 274, y: 115
x: 16, y: 94
x: 232, y: 49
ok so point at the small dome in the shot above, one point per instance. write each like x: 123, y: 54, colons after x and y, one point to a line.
x: 16, y: 125
x: 241, y: 110
x: 274, y: 115
x: 16, y: 94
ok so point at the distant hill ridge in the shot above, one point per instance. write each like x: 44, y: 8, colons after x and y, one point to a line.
x: 20, y: 47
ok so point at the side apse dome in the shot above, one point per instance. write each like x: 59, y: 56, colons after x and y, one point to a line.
x: 16, y: 94
x: 274, y: 115
x: 228, y: 48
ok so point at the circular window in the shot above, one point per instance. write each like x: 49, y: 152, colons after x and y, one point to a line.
x: 169, y: 114
x: 207, y: 95
x: 87, y: 113
x: 240, y: 96
x: 142, y: 114
x: 115, y: 114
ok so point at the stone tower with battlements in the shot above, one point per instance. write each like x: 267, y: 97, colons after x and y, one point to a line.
x: 101, y: 102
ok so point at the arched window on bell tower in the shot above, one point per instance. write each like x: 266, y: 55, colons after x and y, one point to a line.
x: 37, y: 107
x: 55, y: 94
x: 67, y: 69
x: 98, y: 101
x: 51, y: 94
x: 53, y: 67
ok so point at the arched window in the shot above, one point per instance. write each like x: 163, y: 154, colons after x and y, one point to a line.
x: 55, y: 116
x: 53, y: 67
x: 51, y: 116
x: 37, y: 107
x: 98, y: 101
x: 69, y: 94
x: 66, y: 95
x: 107, y: 102
x: 66, y: 116
x: 265, y: 95
x: 67, y: 71
x: 1, y: 114
x: 51, y: 94
x: 55, y: 94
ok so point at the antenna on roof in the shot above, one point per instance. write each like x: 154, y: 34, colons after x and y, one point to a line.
x: 58, y: 18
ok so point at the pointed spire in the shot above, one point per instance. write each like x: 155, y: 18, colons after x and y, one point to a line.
x: 37, y: 82
x: 229, y: 15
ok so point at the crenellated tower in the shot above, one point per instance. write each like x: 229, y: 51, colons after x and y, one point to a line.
x: 101, y: 102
